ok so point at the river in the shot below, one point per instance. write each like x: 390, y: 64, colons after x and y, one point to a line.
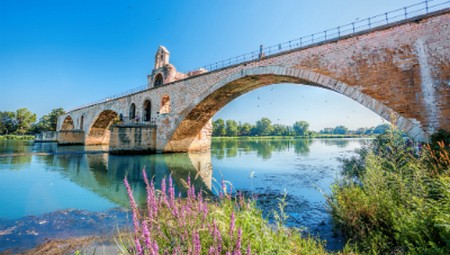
x: 49, y: 191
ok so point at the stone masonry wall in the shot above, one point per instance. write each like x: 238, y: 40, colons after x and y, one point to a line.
x: 132, y: 139
x: 71, y: 137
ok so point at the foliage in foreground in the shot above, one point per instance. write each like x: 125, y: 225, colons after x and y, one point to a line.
x: 394, y: 200
x: 199, y: 225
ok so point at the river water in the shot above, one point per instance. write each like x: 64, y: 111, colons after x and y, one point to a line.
x: 49, y: 191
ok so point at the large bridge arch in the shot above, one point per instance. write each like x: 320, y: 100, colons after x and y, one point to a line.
x: 98, y: 132
x: 191, y: 122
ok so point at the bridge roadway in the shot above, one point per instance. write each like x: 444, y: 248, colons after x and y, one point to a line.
x: 399, y: 70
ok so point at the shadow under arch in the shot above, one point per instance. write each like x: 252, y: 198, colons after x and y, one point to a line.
x: 201, y: 110
x: 99, y: 131
x: 67, y: 123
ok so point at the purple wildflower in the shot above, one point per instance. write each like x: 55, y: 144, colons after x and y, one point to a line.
x: 152, y: 206
x: 163, y: 192
x: 133, y: 205
x: 238, y: 244
x: 155, y: 247
x: 171, y: 192
x: 137, y: 242
x: 196, y: 243
x: 217, y: 237
x: 232, y: 223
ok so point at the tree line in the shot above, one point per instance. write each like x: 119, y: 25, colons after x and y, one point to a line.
x: 264, y: 127
x: 23, y: 121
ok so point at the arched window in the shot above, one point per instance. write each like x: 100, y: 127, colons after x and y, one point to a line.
x: 147, y: 110
x: 158, y: 80
x: 132, y: 113
x: 165, y: 104
x: 81, y: 121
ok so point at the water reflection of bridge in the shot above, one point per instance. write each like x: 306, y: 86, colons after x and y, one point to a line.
x: 103, y: 174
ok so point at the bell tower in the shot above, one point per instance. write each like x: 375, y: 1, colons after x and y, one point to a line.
x: 161, y: 57
x: 163, y: 72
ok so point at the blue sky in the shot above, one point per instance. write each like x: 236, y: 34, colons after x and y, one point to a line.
x: 67, y: 53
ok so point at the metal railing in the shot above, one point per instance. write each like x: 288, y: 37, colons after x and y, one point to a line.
x: 336, y: 33
x: 111, y: 98
x: 349, y: 29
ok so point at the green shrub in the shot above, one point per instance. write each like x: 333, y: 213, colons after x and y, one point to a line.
x: 397, y: 202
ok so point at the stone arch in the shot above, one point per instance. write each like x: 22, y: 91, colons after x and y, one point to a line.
x: 99, y: 131
x: 199, y: 113
x: 147, y: 110
x: 159, y: 80
x: 132, y: 112
x: 68, y: 123
x: 165, y: 104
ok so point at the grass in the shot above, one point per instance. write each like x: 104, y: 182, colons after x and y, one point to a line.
x: 205, y: 225
x: 16, y: 137
x: 394, y: 200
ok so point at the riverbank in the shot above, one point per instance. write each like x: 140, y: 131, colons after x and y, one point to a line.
x: 64, y: 230
x: 16, y: 137
x: 318, y: 136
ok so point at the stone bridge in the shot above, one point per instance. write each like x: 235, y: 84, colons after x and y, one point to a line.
x: 400, y: 71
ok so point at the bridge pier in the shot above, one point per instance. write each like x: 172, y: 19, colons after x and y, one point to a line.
x: 70, y: 137
x: 132, y: 139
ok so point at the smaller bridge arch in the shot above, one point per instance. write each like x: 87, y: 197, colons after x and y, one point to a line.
x: 132, y: 112
x: 147, y: 110
x: 98, y: 132
x: 67, y: 123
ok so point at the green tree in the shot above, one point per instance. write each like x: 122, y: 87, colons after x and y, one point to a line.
x: 326, y: 131
x: 360, y: 131
x: 280, y: 130
x: 245, y: 129
x: 219, y: 128
x: 301, y: 127
x: 48, y: 122
x: 264, y: 126
x: 24, y: 120
x: 340, y: 130
x: 231, y: 128
x: 381, y: 129
x: 7, y: 122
